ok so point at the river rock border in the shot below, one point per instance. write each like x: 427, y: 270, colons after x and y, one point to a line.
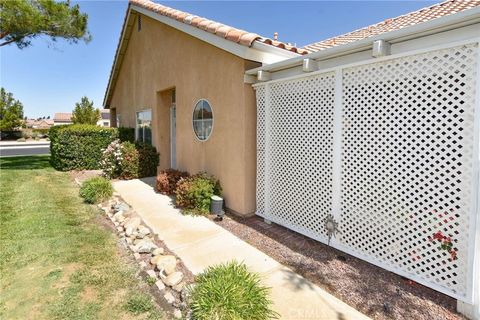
x: 158, y: 265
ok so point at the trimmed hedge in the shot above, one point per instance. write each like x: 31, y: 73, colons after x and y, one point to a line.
x: 79, y: 146
x: 126, y: 134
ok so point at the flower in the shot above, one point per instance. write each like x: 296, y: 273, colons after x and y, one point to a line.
x: 438, y: 236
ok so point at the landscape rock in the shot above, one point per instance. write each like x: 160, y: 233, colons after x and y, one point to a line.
x: 128, y: 240
x: 178, y: 287
x: 166, y: 263
x: 143, y: 265
x: 119, y: 215
x: 158, y: 251
x: 131, y: 225
x: 169, y: 297
x: 173, y: 279
x: 137, y: 256
x: 160, y: 285
x: 145, y: 246
x: 151, y: 273
x: 122, y: 206
x: 142, y: 232
x: 177, y: 314
x: 120, y: 229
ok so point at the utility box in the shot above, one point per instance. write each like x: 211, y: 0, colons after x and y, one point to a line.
x: 216, y: 206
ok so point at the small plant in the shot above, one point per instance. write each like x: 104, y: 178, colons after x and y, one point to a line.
x: 139, y: 303
x: 230, y: 292
x: 167, y: 180
x: 194, y: 193
x: 151, y: 281
x: 96, y: 189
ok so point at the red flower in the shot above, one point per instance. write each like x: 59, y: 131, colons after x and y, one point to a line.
x: 439, y: 236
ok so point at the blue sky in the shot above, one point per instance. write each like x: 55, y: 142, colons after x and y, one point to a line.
x: 50, y: 77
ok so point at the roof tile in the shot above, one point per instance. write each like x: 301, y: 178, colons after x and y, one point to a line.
x: 426, y: 14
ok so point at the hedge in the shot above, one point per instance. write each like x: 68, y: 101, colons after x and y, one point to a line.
x: 79, y: 146
x: 126, y: 134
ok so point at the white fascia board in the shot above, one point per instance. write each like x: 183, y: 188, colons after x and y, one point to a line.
x: 419, y: 30
x: 257, y: 52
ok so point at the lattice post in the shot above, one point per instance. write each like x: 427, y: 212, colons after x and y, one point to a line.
x: 266, y: 188
x: 337, y: 151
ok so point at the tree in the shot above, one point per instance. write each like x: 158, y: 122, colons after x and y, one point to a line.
x: 23, y: 20
x: 85, y: 113
x: 11, y: 111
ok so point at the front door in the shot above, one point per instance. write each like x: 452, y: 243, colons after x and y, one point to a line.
x: 173, y: 147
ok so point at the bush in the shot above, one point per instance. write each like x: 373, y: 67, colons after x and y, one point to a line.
x: 148, y: 159
x: 96, y: 189
x: 129, y: 161
x: 21, y: 140
x: 126, y: 134
x: 79, y: 146
x: 194, y: 193
x: 167, y: 180
x: 41, y: 133
x: 10, y: 135
x: 230, y: 292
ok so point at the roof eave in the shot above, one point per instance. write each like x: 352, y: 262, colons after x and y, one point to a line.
x: 258, y: 51
x: 441, y: 24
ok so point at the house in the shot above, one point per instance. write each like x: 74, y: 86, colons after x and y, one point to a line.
x: 39, y: 123
x: 374, y: 132
x: 62, y: 118
x: 104, y: 120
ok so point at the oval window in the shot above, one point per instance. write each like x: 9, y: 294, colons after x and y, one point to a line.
x: 202, y: 120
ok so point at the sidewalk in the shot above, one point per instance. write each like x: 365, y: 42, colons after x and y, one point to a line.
x: 200, y: 243
x: 24, y: 144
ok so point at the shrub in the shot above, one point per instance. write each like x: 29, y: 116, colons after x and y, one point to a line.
x: 112, y: 159
x: 167, y: 180
x: 96, y: 189
x: 79, y: 146
x: 21, y: 140
x: 148, y: 159
x: 126, y: 134
x: 230, y: 292
x: 129, y: 161
x: 194, y: 193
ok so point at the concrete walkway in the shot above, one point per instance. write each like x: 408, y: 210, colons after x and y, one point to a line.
x: 200, y: 243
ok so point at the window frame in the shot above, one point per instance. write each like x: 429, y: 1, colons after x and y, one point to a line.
x: 151, y: 126
x: 193, y: 114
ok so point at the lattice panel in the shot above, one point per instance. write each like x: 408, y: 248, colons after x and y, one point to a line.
x: 299, y: 152
x: 260, y: 94
x: 407, y: 161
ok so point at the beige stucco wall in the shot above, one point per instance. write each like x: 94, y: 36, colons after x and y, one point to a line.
x: 159, y: 58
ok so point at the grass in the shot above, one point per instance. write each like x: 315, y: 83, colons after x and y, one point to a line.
x: 230, y: 292
x: 56, y: 260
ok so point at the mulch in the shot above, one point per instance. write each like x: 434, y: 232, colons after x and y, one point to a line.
x: 376, y: 292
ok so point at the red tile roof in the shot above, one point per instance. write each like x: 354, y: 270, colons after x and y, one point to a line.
x: 409, y: 19
x: 62, y: 116
x: 230, y: 33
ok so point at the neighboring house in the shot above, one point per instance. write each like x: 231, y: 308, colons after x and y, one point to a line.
x: 375, y: 131
x: 39, y: 123
x: 104, y: 118
x: 62, y: 118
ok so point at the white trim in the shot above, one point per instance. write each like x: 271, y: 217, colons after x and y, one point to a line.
x: 437, y: 25
x: 257, y: 52
x: 337, y: 148
x: 266, y: 181
x: 213, y: 120
x: 370, y: 61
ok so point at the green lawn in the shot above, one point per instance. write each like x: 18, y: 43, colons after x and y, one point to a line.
x: 56, y: 259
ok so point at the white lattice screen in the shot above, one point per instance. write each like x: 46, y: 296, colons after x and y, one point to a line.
x: 406, y: 169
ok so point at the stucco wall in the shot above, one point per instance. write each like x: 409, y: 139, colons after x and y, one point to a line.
x: 159, y: 58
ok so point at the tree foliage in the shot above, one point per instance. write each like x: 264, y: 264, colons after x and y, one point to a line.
x: 11, y: 111
x: 23, y: 20
x: 85, y: 113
